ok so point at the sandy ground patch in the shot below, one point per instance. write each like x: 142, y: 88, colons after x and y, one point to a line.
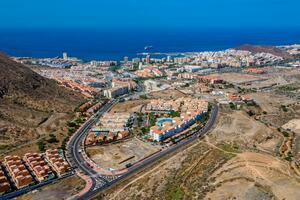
x: 293, y: 125
x: 238, y: 78
x: 238, y: 127
x: 129, y: 106
x: 57, y: 191
x: 166, y: 94
x: 111, y: 156
x: 271, y: 102
x: 255, y: 174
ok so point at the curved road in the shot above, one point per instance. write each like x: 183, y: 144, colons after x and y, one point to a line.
x: 100, y: 182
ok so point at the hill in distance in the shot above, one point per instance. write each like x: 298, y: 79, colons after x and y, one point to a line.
x: 264, y: 49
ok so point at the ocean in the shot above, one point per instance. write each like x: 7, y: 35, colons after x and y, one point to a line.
x: 114, y: 44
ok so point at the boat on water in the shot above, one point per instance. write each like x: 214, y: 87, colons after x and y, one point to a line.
x: 148, y: 47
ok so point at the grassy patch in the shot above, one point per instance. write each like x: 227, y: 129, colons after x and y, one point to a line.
x: 176, y: 194
x: 232, y: 148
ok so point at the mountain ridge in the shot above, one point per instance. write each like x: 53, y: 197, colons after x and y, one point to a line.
x: 264, y: 49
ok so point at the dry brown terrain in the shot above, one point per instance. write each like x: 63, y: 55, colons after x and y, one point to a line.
x: 31, y: 107
x: 238, y: 128
x: 255, y: 176
x: 183, y: 175
x: 166, y: 94
x: 265, y: 49
x: 293, y: 125
x: 238, y: 78
x: 56, y: 191
x: 112, y: 155
x: 129, y: 106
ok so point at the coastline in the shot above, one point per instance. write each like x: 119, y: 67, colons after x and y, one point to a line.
x: 113, y: 44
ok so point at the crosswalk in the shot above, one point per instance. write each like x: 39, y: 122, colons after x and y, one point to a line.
x: 103, y: 180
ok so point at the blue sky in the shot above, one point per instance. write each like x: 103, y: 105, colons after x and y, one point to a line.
x: 149, y: 13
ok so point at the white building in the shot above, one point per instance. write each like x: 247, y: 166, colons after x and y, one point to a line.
x: 192, y: 68
x: 65, y: 56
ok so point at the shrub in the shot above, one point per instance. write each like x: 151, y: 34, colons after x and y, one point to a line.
x: 41, y: 144
x: 251, y: 113
x: 71, y: 124
x: 52, y: 139
x: 285, y: 134
x: 232, y: 106
x: 283, y: 107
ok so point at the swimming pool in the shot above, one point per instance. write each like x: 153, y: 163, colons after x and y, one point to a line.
x: 162, y: 120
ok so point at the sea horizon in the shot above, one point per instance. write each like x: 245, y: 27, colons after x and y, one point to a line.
x: 115, y: 44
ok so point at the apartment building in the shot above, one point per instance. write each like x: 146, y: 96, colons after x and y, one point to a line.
x: 18, y: 171
x: 116, y: 91
x: 38, y: 165
x: 58, y: 164
x: 116, y: 122
x: 190, y: 109
x: 4, y: 184
x: 187, y: 76
x: 120, y: 82
x: 174, y: 126
x: 157, y: 105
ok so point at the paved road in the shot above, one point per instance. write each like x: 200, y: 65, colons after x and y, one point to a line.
x: 100, y: 182
x: 75, y: 148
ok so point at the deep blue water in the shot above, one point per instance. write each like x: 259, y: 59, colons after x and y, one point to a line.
x: 114, y: 44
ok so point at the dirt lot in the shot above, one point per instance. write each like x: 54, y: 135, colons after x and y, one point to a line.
x: 129, y: 106
x: 237, y: 127
x: 238, y: 78
x: 166, y: 94
x: 255, y: 176
x: 271, y: 102
x: 111, y: 156
x: 293, y: 125
x: 60, y: 190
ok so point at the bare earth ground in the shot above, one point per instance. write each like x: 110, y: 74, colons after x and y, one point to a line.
x: 271, y: 102
x: 238, y: 78
x: 38, y: 127
x: 166, y: 94
x: 60, y: 190
x: 277, y: 118
x: 293, y: 125
x: 129, y: 106
x: 255, y: 176
x: 110, y: 156
x: 238, y: 128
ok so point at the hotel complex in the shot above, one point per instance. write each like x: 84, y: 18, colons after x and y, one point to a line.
x: 190, y: 110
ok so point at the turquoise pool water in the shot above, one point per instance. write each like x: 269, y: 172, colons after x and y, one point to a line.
x: 162, y: 120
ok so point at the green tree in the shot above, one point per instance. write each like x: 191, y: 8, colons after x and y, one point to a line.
x: 41, y: 144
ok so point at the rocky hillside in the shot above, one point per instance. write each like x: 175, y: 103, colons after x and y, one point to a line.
x: 20, y: 85
x: 31, y: 105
